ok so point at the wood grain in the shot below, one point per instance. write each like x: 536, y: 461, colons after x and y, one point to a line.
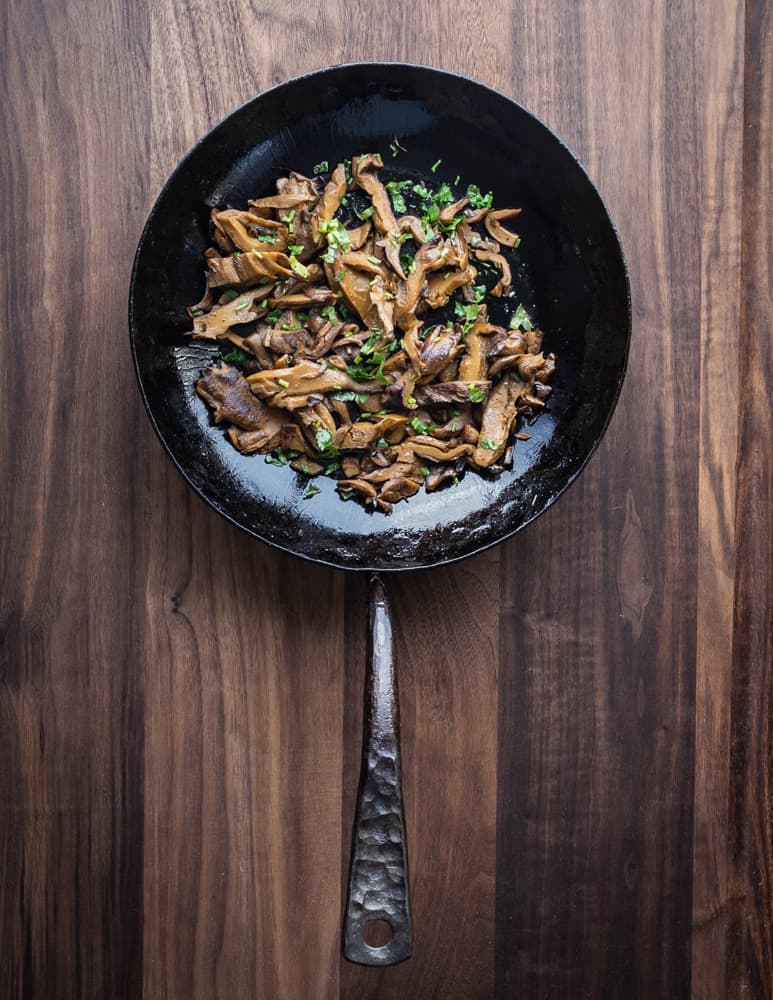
x: 586, y: 710
x: 750, y: 847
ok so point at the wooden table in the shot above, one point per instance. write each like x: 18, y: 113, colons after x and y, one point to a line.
x: 587, y: 713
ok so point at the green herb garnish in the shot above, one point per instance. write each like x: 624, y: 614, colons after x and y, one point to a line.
x: 349, y: 396
x: 320, y: 168
x: 289, y: 220
x: 435, y: 165
x: 477, y: 395
x: 374, y: 260
x: 295, y: 248
x: 312, y: 491
x: 230, y: 295
x: 395, y: 189
x: 420, y: 427
x: 325, y: 444
x: 467, y: 313
x: 424, y: 470
x: 266, y: 238
x: 338, y: 240
x: 365, y: 214
x: 521, y: 320
x: 283, y: 382
x: 300, y: 269
x: 477, y: 199
x: 197, y: 312
x: 488, y: 443
x: 236, y: 356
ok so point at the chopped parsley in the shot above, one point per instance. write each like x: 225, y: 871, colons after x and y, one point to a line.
x: 339, y: 275
x: 300, y: 269
x: 295, y: 248
x: 325, y: 444
x: 349, y: 396
x: 266, y: 238
x: 444, y: 194
x: 420, y: 427
x: 395, y: 189
x: 488, y: 443
x: 424, y: 470
x: 477, y: 395
x: 456, y: 180
x: 242, y: 306
x: 408, y: 263
x: 467, y: 313
x: 236, y: 356
x: 477, y: 199
x: 312, y: 491
x: 435, y: 165
x: 283, y: 382
x: 521, y: 320
x: 289, y: 220
x: 321, y: 168
x: 338, y: 240
x: 197, y: 312
x: 330, y: 314
x: 281, y: 457
x: 374, y: 260
x: 478, y: 293
x: 230, y: 295
x: 365, y: 214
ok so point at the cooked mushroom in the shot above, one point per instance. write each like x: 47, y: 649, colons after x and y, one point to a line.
x: 217, y: 323
x: 497, y: 231
x: 496, y: 422
x: 499, y: 261
x: 348, y: 365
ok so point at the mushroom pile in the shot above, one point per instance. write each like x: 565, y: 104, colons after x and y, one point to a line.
x: 353, y: 317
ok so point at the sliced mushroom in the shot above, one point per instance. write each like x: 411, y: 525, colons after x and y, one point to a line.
x: 246, y: 269
x: 499, y: 261
x: 228, y: 393
x: 290, y: 387
x: 497, y: 421
x: 359, y: 486
x: 363, y: 433
x: 448, y: 213
x: 363, y: 172
x: 216, y: 324
x: 497, y: 231
x: 328, y: 204
x: 244, y: 229
x: 440, y: 287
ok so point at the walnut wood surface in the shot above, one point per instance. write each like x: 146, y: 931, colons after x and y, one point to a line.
x: 586, y: 711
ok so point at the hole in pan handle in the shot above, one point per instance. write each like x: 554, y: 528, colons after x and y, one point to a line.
x: 378, y: 878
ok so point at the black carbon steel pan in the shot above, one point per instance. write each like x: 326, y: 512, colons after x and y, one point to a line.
x: 573, y: 280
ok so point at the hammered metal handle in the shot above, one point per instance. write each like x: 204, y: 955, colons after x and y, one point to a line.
x: 378, y: 880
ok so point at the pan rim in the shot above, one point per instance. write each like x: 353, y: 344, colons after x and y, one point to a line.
x: 435, y: 563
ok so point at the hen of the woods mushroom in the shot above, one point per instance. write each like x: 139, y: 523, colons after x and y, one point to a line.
x: 353, y: 316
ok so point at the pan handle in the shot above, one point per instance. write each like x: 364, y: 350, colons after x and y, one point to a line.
x: 378, y: 880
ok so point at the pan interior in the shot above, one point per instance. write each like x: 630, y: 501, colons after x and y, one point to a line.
x: 571, y: 278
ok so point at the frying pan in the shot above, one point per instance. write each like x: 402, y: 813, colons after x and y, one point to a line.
x: 570, y: 276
